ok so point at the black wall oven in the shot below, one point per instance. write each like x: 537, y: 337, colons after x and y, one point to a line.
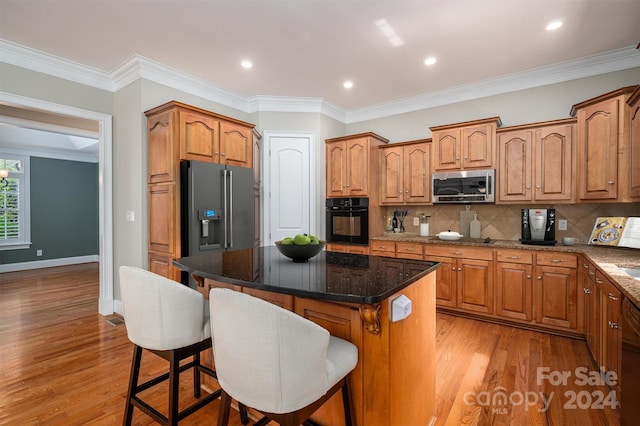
x: 348, y: 220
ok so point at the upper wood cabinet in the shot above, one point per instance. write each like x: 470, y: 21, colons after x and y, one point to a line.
x: 405, y: 173
x: 348, y: 164
x: 468, y: 145
x: 175, y: 132
x: 603, y: 135
x: 634, y: 145
x: 536, y: 162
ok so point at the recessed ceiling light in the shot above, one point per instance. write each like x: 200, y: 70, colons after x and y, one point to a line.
x: 553, y: 25
x: 430, y: 60
x: 347, y: 84
x: 246, y: 64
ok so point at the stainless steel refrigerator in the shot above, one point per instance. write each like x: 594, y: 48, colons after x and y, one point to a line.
x: 216, y: 208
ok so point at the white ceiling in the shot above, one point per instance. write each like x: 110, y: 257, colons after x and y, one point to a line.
x: 307, y: 48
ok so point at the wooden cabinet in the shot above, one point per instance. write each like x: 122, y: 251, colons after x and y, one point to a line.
x: 405, y: 173
x: 514, y: 294
x: 604, y: 160
x: 176, y: 131
x: 382, y: 248
x: 348, y: 164
x: 468, y: 145
x: 634, y: 145
x: 611, y: 334
x: 591, y: 308
x: 409, y: 250
x: 555, y: 290
x: 465, y: 278
x: 347, y: 248
x: 536, y: 162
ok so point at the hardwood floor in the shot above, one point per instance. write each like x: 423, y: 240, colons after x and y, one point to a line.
x: 64, y: 364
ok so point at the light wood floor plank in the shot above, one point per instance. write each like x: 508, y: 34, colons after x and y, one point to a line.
x: 61, y: 363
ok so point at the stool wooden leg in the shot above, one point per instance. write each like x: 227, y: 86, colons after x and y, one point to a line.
x: 133, y: 383
x: 174, y: 385
x: 223, y: 411
x: 196, y: 375
x: 346, y: 401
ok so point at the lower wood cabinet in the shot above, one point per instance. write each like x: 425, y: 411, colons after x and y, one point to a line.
x: 465, y: 277
x: 610, y: 325
x: 591, y: 308
x: 514, y: 295
x: 347, y: 248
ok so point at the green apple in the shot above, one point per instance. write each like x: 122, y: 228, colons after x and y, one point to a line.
x: 314, y: 240
x: 287, y: 241
x: 301, y: 240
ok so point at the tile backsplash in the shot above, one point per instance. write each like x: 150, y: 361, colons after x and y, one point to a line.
x: 502, y: 222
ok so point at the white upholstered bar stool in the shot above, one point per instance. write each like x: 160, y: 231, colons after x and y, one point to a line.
x: 170, y: 320
x: 275, y: 361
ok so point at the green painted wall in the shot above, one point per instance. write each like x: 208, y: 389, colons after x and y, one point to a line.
x: 64, y: 211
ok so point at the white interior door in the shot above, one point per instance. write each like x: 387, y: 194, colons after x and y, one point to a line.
x: 289, y: 194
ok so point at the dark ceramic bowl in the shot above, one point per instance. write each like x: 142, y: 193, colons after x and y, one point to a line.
x: 300, y: 253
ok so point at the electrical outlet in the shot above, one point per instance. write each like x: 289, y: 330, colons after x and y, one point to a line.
x: 416, y: 221
x: 38, y: 252
x: 562, y: 225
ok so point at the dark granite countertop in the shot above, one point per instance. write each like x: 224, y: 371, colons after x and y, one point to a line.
x: 331, y: 276
x: 608, y: 259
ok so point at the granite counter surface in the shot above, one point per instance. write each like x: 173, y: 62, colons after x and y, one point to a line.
x: 339, y: 277
x: 608, y: 259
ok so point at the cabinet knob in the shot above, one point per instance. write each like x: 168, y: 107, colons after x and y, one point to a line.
x: 223, y: 154
x: 599, y: 281
x: 514, y: 257
x: 456, y: 252
x: 217, y: 153
x: 540, y: 277
x: 406, y: 192
x: 528, y: 187
x: 528, y: 277
x: 537, y: 186
x: 556, y: 260
x: 613, y: 324
x: 586, y: 291
x: 611, y: 296
x: 611, y: 182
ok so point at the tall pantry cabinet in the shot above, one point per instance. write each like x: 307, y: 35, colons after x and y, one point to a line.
x: 176, y: 131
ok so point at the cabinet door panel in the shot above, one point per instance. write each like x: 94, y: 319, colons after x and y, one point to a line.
x: 447, y: 150
x: 554, y: 163
x: 358, y: 167
x: 556, y: 296
x: 162, y: 204
x: 392, y: 175
x: 161, y: 148
x: 515, y: 166
x: 417, y: 179
x: 236, y: 145
x: 598, y: 135
x: 446, y: 274
x: 336, y: 169
x: 513, y: 291
x: 477, y: 146
x: 199, y: 137
x: 475, y: 285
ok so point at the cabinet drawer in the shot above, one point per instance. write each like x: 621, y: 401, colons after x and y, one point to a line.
x: 557, y: 259
x: 458, y: 251
x: 383, y: 246
x: 515, y: 256
x: 409, y: 250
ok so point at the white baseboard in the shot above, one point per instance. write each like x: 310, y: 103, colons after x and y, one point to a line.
x: 24, y: 266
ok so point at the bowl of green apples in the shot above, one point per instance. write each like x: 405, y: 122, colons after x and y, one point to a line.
x: 300, y: 248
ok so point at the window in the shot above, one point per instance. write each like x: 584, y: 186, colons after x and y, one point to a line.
x: 15, y: 219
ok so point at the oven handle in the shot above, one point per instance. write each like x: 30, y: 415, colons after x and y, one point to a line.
x: 339, y: 210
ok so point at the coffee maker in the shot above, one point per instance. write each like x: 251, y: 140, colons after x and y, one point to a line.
x: 539, y: 227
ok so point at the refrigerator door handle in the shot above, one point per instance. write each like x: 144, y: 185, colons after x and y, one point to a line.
x: 230, y: 215
x: 225, y: 197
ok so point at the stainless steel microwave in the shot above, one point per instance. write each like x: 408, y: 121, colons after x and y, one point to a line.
x: 464, y: 187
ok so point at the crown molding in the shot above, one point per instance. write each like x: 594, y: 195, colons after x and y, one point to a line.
x: 615, y: 60
x: 295, y: 104
x: 35, y: 60
x: 139, y: 67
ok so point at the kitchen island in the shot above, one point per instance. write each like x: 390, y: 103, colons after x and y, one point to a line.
x: 351, y: 296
